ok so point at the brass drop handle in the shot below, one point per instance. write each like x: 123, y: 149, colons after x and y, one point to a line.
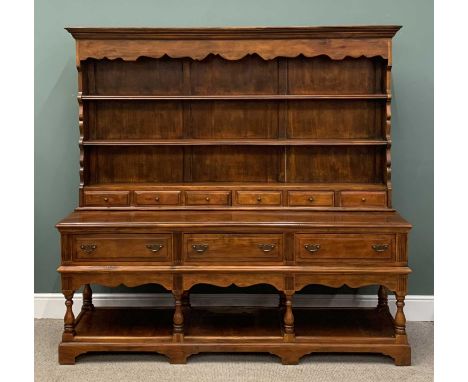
x: 199, y: 248
x: 312, y: 247
x: 311, y: 199
x: 88, y: 248
x: 154, y: 247
x: 380, y: 247
x: 259, y: 198
x: 267, y: 247
x: 156, y: 198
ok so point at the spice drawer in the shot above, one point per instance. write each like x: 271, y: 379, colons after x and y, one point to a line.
x: 123, y: 248
x: 157, y: 198
x: 363, y: 199
x: 260, y: 198
x: 311, y: 198
x: 216, y: 198
x: 232, y: 248
x: 344, y: 248
x: 106, y: 198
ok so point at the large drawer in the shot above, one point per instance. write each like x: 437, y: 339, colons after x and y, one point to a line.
x: 123, y: 248
x: 344, y: 248
x: 232, y: 248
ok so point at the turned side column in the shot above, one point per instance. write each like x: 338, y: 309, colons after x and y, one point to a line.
x: 69, y: 318
x: 178, y: 319
x: 382, y: 298
x: 288, y: 319
x: 87, y: 298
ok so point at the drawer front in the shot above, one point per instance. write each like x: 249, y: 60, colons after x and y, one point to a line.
x: 344, y: 248
x: 232, y: 248
x: 157, y: 198
x: 215, y: 198
x: 260, y: 198
x: 363, y: 199
x: 107, y: 198
x: 311, y: 198
x: 123, y: 248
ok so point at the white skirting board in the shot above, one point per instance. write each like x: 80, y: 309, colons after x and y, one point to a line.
x: 52, y: 305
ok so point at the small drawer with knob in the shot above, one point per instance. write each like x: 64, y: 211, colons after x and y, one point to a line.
x: 122, y: 248
x: 364, y: 199
x: 157, y: 198
x: 341, y: 249
x: 208, y: 198
x: 106, y: 198
x: 232, y: 248
x: 311, y: 198
x: 258, y: 198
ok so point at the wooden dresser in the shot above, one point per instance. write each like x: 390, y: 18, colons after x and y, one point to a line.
x: 234, y: 156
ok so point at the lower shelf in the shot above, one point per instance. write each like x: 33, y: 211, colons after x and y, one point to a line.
x: 239, y: 329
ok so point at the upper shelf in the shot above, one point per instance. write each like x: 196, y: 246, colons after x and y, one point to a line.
x: 263, y: 97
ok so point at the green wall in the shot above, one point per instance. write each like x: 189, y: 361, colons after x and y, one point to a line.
x: 56, y: 110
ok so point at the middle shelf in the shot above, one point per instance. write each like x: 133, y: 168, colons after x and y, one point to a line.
x: 236, y: 142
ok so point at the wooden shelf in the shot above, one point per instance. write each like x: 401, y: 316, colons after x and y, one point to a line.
x: 237, y: 142
x: 263, y: 97
x: 232, y: 323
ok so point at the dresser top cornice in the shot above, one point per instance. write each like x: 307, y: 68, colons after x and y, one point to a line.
x: 300, y: 32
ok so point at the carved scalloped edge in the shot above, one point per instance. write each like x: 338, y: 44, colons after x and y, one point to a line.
x: 388, y: 135
x: 228, y: 56
x: 240, y: 284
x: 80, y: 143
x: 78, y: 283
x: 350, y: 284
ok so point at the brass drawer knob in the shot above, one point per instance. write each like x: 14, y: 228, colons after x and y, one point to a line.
x: 156, y: 198
x: 154, y: 247
x: 106, y: 199
x: 363, y: 199
x: 267, y: 247
x: 207, y: 198
x: 259, y: 198
x: 88, y: 248
x: 380, y: 247
x: 311, y: 199
x: 200, y: 248
x: 312, y: 247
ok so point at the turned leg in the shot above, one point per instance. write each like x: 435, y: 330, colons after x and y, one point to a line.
x: 69, y: 318
x: 288, y: 318
x: 178, y: 319
x: 400, y: 319
x: 186, y: 299
x: 87, y: 298
x: 383, y: 298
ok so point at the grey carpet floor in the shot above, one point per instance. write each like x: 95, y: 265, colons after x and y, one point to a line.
x: 231, y: 367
